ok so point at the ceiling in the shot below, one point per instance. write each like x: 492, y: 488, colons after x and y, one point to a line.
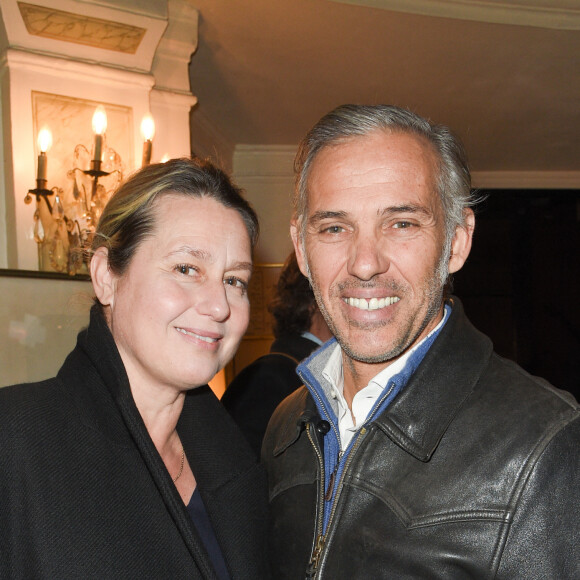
x: 266, y: 70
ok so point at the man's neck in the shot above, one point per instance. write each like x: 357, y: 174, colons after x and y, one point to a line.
x: 357, y: 375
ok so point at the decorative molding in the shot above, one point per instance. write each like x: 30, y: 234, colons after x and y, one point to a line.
x: 540, y: 13
x: 526, y: 179
x: 179, y: 42
x: 122, y: 34
x: 75, y: 70
x: 172, y: 99
x: 80, y: 29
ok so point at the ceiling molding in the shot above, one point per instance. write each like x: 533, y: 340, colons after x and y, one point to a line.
x: 558, y: 14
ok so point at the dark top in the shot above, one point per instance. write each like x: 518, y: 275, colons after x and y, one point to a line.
x: 258, y: 389
x: 202, y: 523
x: 85, y: 494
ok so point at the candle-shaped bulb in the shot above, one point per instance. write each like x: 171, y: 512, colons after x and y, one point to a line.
x: 99, y: 128
x: 99, y: 120
x: 147, y: 132
x: 148, y: 127
x: 44, y: 140
x: 44, y: 143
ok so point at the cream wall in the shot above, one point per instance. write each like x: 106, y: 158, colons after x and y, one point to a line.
x: 39, y: 322
x: 266, y: 173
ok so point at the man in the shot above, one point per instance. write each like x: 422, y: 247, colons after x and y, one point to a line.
x: 413, y: 451
x: 299, y: 329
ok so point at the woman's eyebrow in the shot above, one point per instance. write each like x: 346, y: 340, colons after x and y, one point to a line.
x: 242, y: 266
x: 192, y: 251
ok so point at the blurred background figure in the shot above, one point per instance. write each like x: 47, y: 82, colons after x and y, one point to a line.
x: 299, y: 329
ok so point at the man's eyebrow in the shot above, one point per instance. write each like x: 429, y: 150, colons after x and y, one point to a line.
x: 318, y: 216
x: 407, y: 208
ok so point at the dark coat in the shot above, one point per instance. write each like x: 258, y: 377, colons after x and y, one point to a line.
x: 261, y: 386
x: 473, y: 471
x: 84, y: 493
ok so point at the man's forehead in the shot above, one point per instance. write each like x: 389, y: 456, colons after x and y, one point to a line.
x: 391, y: 170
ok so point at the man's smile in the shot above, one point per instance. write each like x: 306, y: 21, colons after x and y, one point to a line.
x: 371, y: 303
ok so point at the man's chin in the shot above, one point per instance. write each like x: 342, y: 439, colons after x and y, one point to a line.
x: 376, y: 355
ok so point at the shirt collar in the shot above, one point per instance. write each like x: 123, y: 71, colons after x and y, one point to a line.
x: 312, y: 337
x: 333, y: 371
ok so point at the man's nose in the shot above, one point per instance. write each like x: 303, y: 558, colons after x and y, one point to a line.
x: 368, y: 256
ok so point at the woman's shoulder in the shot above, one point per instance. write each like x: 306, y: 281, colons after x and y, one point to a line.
x: 29, y: 405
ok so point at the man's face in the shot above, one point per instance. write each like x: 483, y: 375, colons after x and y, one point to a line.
x: 373, y: 243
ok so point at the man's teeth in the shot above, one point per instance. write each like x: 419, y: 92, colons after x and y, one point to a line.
x: 372, y: 304
x: 204, y: 338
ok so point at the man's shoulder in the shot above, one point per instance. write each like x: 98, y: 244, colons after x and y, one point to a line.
x: 510, y: 382
x: 289, y: 418
x: 526, y: 410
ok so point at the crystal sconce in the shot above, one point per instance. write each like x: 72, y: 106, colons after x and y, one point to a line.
x: 63, y: 228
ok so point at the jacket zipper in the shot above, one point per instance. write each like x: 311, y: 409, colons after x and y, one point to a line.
x: 319, y: 543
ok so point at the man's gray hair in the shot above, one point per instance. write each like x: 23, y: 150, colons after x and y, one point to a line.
x: 348, y: 121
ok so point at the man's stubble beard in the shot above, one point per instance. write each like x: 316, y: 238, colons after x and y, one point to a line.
x: 435, y: 285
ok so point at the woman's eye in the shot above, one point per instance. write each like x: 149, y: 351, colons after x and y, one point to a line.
x: 236, y: 283
x: 185, y: 269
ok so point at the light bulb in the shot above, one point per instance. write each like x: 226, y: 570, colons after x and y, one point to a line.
x: 99, y: 120
x: 148, y: 127
x: 44, y: 140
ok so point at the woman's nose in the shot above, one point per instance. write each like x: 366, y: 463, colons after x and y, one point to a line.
x: 367, y: 256
x: 213, y: 301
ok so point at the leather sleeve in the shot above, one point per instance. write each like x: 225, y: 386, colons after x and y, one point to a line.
x: 543, y: 540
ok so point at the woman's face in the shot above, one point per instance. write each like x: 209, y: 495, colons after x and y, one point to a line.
x: 179, y: 311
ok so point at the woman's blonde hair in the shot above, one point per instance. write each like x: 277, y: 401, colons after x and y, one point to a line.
x: 129, y: 216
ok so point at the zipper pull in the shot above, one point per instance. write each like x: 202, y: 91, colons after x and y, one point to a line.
x: 330, y: 488
x: 315, y: 558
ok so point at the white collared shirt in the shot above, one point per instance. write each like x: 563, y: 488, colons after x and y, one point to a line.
x: 364, y: 399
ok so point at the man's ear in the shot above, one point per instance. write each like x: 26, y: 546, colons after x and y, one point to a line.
x: 298, y: 247
x: 102, y: 277
x: 461, y: 244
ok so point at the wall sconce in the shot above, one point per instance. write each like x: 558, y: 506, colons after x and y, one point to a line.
x: 64, y: 224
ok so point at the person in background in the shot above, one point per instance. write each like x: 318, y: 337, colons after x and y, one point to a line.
x: 414, y: 450
x: 299, y: 329
x: 125, y: 465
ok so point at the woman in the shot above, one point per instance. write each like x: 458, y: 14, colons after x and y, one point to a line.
x: 125, y: 465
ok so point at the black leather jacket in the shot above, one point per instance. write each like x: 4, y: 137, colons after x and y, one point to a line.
x: 473, y: 471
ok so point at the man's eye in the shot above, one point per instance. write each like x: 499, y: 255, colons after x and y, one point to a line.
x: 403, y: 225
x: 333, y: 230
x: 236, y: 283
x: 185, y: 269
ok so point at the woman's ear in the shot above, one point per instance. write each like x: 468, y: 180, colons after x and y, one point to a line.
x: 461, y: 244
x: 104, y: 281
